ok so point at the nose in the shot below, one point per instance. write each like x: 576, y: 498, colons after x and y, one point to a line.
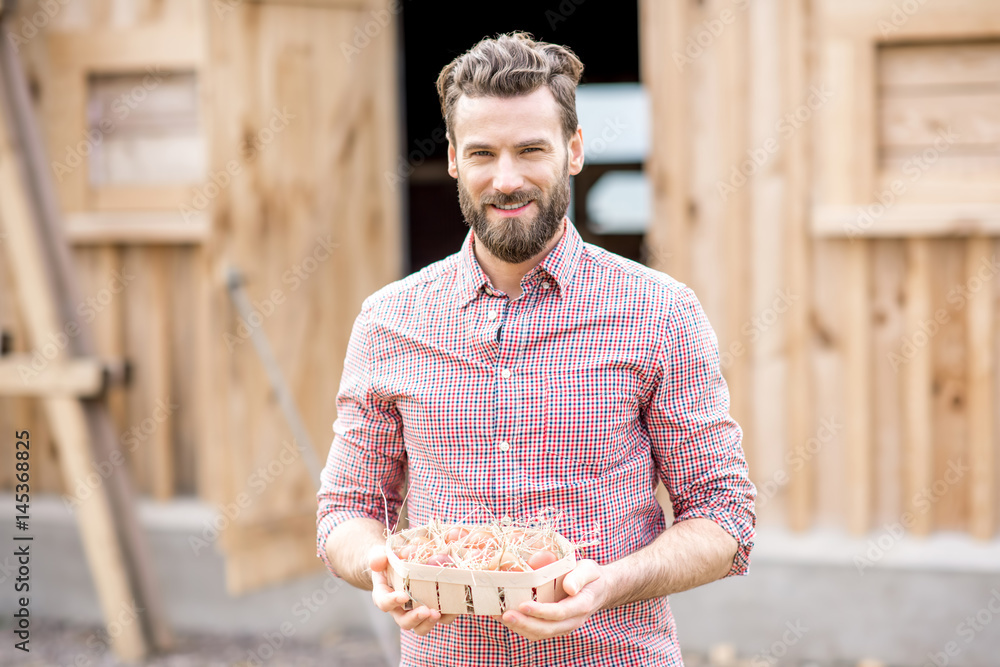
x: 507, y: 178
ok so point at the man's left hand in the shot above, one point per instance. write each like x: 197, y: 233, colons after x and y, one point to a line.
x: 586, y: 586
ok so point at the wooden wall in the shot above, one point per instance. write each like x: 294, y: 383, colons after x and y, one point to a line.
x: 298, y: 124
x: 854, y: 407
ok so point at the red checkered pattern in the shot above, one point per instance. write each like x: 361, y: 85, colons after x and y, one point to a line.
x: 600, y: 380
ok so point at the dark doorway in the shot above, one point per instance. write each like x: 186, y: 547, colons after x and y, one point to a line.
x: 604, y: 34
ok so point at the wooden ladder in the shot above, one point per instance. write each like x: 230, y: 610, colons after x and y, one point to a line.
x: 71, y: 380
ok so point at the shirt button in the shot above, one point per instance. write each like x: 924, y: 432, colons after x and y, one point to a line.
x: 546, y: 284
x: 504, y: 446
x: 489, y: 291
x: 505, y: 373
x: 492, y: 315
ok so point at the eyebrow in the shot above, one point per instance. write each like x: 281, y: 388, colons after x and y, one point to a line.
x: 521, y: 144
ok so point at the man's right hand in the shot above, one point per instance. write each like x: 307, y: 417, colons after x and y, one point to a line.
x: 420, y: 620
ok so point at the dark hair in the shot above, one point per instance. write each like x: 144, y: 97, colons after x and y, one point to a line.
x: 508, y: 66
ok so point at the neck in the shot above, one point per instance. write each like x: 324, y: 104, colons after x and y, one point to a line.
x: 506, y: 276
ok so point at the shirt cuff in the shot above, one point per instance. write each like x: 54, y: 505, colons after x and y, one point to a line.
x: 741, y: 533
x: 326, y: 524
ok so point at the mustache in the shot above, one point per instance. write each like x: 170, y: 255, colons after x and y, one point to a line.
x: 507, y: 199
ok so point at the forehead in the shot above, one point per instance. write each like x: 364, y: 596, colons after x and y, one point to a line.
x: 500, y: 119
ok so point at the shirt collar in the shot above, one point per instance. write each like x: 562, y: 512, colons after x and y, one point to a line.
x: 560, y: 265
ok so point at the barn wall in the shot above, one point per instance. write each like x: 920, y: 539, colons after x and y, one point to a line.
x: 774, y: 118
x: 297, y: 128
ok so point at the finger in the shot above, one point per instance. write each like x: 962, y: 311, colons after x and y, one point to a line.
x: 387, y: 601
x: 428, y: 625
x: 408, y: 620
x: 535, y: 629
x: 380, y: 586
x: 556, y: 611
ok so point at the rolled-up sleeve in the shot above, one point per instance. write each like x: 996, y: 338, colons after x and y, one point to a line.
x: 697, y: 445
x: 363, y: 476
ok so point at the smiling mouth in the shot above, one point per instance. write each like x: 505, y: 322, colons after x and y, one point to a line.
x: 511, y: 207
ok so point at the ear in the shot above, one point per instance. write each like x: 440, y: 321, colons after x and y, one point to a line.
x: 452, y: 165
x: 575, y: 151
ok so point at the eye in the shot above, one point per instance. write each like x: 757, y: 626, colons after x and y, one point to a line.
x: 481, y: 153
x: 532, y: 148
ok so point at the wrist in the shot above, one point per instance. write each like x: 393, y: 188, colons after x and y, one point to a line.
x: 612, y: 585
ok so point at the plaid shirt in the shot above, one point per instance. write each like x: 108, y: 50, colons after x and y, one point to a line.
x: 601, y: 379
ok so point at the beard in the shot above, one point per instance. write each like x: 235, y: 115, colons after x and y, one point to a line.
x: 516, y: 239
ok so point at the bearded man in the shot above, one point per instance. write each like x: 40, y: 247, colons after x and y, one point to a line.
x: 531, y: 371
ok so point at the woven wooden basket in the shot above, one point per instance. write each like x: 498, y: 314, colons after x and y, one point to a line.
x: 458, y: 591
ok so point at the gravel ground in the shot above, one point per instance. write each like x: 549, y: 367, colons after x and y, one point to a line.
x: 55, y: 644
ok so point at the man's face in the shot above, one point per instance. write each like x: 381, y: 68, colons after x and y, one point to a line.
x: 513, y: 164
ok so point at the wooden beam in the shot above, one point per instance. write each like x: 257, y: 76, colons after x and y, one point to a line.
x: 72, y: 377
x: 145, y: 227
x: 65, y: 415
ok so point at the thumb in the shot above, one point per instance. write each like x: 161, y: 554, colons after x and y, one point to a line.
x: 377, y: 559
x: 586, y: 571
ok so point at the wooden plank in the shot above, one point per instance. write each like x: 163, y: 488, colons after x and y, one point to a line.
x: 941, y: 219
x: 135, y: 198
x: 145, y: 311
x: 664, y: 33
x: 161, y: 47
x: 913, y: 121
x: 185, y: 360
x: 72, y: 377
x: 888, y: 270
x: 947, y: 348
x: 916, y: 375
x: 936, y: 64
x: 857, y: 341
x: 734, y: 55
x: 147, y: 227
x: 981, y: 368
x: 798, y: 388
x: 766, y: 292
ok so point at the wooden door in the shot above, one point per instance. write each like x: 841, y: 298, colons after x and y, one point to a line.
x: 825, y: 176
